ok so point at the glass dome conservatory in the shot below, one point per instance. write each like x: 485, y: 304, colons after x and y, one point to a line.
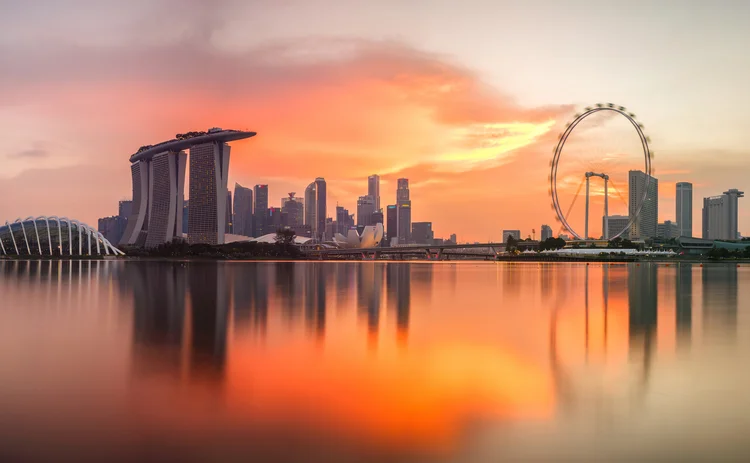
x: 53, y: 236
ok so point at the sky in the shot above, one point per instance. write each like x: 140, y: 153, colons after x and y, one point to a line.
x: 465, y: 99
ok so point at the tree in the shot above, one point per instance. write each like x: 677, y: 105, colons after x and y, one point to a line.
x: 510, y: 245
x: 285, y: 237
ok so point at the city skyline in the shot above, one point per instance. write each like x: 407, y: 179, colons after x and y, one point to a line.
x: 448, y: 115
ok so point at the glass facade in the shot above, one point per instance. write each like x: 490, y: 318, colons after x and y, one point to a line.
x: 52, y: 236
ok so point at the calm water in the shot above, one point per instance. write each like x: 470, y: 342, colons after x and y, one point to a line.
x: 373, y: 361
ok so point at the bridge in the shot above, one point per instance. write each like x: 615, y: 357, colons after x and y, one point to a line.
x: 418, y: 251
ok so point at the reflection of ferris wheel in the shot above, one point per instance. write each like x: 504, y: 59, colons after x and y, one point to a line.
x: 647, y: 155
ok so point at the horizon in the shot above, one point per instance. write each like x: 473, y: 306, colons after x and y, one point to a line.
x: 470, y: 117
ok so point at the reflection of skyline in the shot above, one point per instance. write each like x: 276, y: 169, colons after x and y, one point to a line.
x: 398, y: 281
x: 720, y: 289
x: 684, y: 305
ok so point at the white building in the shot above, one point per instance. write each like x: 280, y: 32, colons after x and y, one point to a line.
x: 684, y: 208
x: 720, y: 215
x: 616, y: 224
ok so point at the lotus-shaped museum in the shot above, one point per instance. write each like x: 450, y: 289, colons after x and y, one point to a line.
x: 370, y: 237
x: 53, y: 236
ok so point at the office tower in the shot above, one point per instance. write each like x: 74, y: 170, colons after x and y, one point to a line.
x: 321, y: 213
x: 295, y: 210
x: 365, y: 209
x: 514, y: 233
x: 230, y: 214
x: 185, y: 215
x: 403, y: 205
x: 125, y: 209
x: 111, y: 228
x: 667, y: 230
x: 243, y: 211
x: 377, y: 217
x: 645, y: 225
x: 274, y: 220
x: 402, y: 191
x: 421, y: 233
x: 373, y: 189
x: 453, y: 238
x: 311, y: 206
x: 342, y: 219
x: 684, y: 206
x: 209, y: 169
x: 720, y: 215
x: 617, y: 224
x: 392, y: 222
x: 546, y: 232
x: 329, y: 229
x: 260, y: 215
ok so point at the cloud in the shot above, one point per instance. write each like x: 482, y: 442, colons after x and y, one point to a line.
x: 33, y: 153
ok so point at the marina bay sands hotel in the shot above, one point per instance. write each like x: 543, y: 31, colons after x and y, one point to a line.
x: 158, y: 173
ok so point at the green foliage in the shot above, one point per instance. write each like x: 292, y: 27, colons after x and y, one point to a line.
x: 551, y: 244
x: 620, y: 243
x: 511, y: 244
x: 241, y: 250
x: 724, y: 253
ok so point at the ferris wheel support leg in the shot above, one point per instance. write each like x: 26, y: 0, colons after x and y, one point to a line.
x: 606, y: 211
x: 586, y: 226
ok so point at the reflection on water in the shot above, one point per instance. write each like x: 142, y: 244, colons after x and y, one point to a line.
x: 320, y: 361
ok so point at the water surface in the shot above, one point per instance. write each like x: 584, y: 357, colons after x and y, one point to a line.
x: 373, y: 361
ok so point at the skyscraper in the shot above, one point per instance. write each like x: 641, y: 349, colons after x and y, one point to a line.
x: 516, y: 234
x: 365, y: 209
x: 295, y: 210
x: 125, y: 209
x: 645, y: 225
x: 260, y: 215
x: 684, y: 213
x: 616, y: 224
x: 343, y: 223
x: 311, y: 207
x: 546, y: 232
x: 273, y: 223
x: 243, y: 210
x: 209, y: 169
x: 402, y: 191
x: 720, y: 215
x: 321, y: 212
x: 404, y: 211
x: 166, y: 194
x: 421, y: 233
x: 392, y: 222
x: 185, y: 215
x: 373, y: 189
x: 230, y: 214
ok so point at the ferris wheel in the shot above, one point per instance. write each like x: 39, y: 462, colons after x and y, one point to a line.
x: 586, y: 176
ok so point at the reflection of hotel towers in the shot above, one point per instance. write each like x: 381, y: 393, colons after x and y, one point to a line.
x: 642, y: 312
x: 398, y: 285
x: 369, y: 289
x: 250, y: 283
x: 160, y: 319
x: 719, y: 300
x: 315, y: 297
x: 684, y: 305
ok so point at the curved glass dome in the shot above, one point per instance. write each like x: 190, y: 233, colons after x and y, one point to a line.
x: 53, y: 236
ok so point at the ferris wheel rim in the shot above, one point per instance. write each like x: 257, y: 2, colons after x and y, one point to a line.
x: 648, y: 155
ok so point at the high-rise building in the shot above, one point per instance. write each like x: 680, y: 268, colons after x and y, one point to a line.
x: 260, y: 213
x: 617, y: 224
x: 546, y: 232
x: 516, y: 234
x: 274, y: 220
x: 321, y: 213
x: 365, y: 209
x: 720, y: 215
x: 373, y: 189
x: 185, y: 215
x: 125, y: 209
x: 453, y: 239
x: 403, y: 203
x: 295, y: 210
x: 684, y: 206
x: 421, y: 233
x: 329, y: 230
x: 404, y: 221
x: 112, y: 228
x: 667, y: 230
x: 158, y: 195
x: 243, y: 210
x: 209, y: 170
x: 343, y: 223
x: 645, y: 225
x: 402, y: 191
x: 392, y: 222
x: 377, y: 217
x: 230, y: 214
x: 311, y: 206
